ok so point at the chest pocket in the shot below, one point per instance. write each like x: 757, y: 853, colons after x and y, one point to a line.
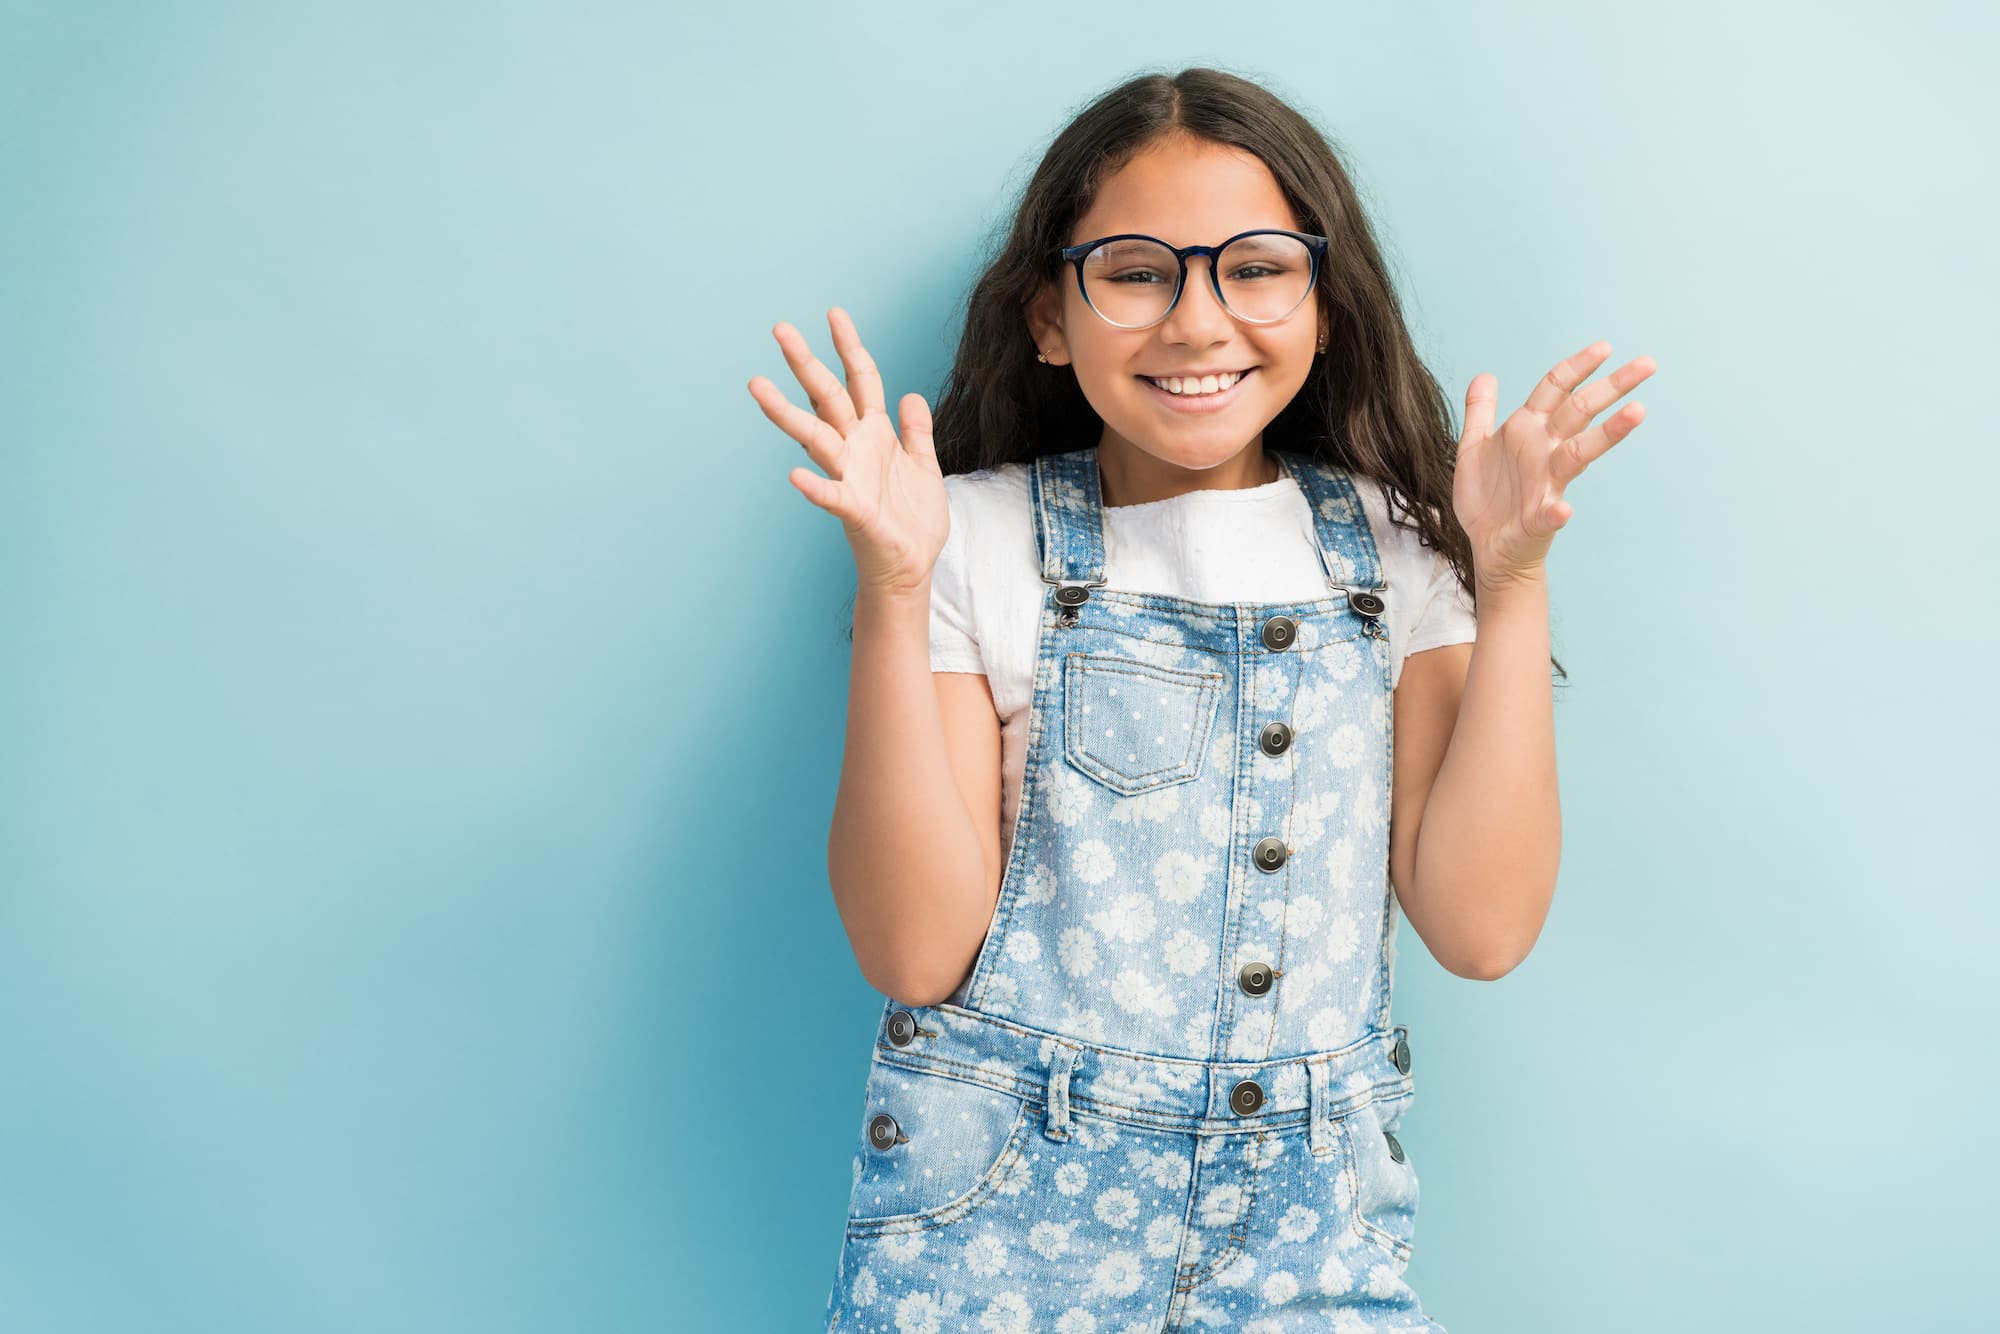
x: 1134, y: 726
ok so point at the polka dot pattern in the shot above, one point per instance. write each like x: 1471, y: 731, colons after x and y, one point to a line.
x: 1161, y: 858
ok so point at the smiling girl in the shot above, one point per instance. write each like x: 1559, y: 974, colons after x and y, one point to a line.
x: 1166, y: 698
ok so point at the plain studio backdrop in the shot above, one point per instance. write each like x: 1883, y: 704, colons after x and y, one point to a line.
x: 422, y: 696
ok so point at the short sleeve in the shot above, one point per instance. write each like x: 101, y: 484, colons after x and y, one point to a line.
x: 1447, y: 616
x: 954, y: 645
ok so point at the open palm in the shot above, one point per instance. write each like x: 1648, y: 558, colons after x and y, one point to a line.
x: 1508, y: 488
x: 888, y: 493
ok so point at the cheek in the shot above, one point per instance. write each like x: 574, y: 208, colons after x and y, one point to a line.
x: 1287, y: 369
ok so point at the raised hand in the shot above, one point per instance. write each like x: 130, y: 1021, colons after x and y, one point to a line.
x: 887, y: 493
x: 1508, y: 488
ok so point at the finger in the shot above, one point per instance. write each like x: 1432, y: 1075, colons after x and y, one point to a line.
x: 823, y: 444
x: 864, y: 382
x: 1565, y: 376
x: 823, y: 391
x: 1480, y: 398
x: 1578, y: 452
x: 916, y: 419
x: 825, y: 492
x: 1576, y: 410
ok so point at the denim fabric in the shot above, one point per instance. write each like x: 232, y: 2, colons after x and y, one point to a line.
x: 1166, y: 1095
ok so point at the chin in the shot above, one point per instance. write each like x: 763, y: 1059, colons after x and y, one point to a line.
x: 1187, y: 456
x: 1196, y: 447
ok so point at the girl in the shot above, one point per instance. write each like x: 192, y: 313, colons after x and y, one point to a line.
x: 1118, y: 831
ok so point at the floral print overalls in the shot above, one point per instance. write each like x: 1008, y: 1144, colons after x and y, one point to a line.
x: 1166, y: 1096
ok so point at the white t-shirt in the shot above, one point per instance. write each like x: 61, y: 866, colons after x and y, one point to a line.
x: 1249, y: 545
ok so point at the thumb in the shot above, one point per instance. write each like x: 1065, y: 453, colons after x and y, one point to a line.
x: 916, y: 417
x: 1480, y: 396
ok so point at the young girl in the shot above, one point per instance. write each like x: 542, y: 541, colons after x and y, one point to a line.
x: 1118, y: 822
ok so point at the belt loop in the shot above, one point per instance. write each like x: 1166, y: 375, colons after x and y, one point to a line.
x: 1061, y: 1062
x: 1319, y: 1106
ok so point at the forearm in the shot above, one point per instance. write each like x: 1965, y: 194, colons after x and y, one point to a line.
x: 903, y: 855
x: 1491, y: 834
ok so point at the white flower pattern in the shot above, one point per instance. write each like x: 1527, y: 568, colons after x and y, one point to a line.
x: 1129, y: 918
x: 1124, y: 925
x: 1076, y: 948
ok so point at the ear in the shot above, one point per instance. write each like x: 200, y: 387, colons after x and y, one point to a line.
x: 1044, y: 314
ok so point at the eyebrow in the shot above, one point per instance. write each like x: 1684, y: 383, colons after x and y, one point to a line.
x: 1131, y: 232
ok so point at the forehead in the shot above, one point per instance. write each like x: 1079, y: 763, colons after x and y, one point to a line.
x: 1187, y: 192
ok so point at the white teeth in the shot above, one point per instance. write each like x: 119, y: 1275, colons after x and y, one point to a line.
x: 1207, y: 384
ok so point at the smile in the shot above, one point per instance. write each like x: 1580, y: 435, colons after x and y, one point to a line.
x: 1188, y: 402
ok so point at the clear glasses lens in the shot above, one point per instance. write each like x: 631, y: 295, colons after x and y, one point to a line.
x: 1264, y: 278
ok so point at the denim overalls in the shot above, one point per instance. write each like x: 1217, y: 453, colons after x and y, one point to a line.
x: 1166, y: 1096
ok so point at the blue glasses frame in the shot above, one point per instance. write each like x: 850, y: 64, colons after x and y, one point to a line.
x: 1074, y: 255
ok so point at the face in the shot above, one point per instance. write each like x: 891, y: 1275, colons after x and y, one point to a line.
x: 1184, y: 191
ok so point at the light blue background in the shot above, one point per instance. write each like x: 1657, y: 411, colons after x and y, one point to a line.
x: 422, y: 690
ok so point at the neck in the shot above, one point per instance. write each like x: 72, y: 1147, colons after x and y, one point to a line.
x: 1130, y: 476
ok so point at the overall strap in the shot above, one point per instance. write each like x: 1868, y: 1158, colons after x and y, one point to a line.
x: 1067, y: 499
x: 1340, y: 524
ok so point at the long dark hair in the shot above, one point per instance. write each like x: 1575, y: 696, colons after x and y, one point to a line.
x: 1369, y: 405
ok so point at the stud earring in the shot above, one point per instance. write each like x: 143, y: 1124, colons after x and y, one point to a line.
x: 1039, y: 357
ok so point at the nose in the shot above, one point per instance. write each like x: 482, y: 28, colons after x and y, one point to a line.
x: 1198, y: 317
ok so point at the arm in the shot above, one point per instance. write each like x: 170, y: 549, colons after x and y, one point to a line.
x: 1476, y: 821
x: 914, y: 872
x: 1475, y: 861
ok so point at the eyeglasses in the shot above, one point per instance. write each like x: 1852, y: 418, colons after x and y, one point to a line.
x: 1134, y: 281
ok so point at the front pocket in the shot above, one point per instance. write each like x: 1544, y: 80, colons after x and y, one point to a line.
x: 950, y: 1146
x: 1135, y: 726
x: 1385, y: 1191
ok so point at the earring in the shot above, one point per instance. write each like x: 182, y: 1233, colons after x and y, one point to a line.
x: 1039, y: 357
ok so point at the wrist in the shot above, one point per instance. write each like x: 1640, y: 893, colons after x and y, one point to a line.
x: 1531, y: 581
x: 893, y: 601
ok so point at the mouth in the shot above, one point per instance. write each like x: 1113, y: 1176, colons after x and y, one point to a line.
x: 1198, y: 403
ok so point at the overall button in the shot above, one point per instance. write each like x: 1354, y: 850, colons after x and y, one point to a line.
x: 1072, y: 595
x: 883, y: 1132
x: 902, y: 1028
x: 1254, y: 978
x: 1403, y: 1055
x: 1274, y: 738
x: 1269, y: 854
x: 1246, y: 1097
x: 1365, y: 603
x: 1279, y: 632
x: 1069, y: 597
x: 1395, y: 1145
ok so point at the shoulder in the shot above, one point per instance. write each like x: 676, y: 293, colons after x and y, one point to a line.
x: 1430, y: 602
x: 1002, y: 487
x: 1398, y: 540
x: 988, y: 500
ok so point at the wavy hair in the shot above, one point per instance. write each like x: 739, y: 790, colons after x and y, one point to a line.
x: 1369, y: 405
